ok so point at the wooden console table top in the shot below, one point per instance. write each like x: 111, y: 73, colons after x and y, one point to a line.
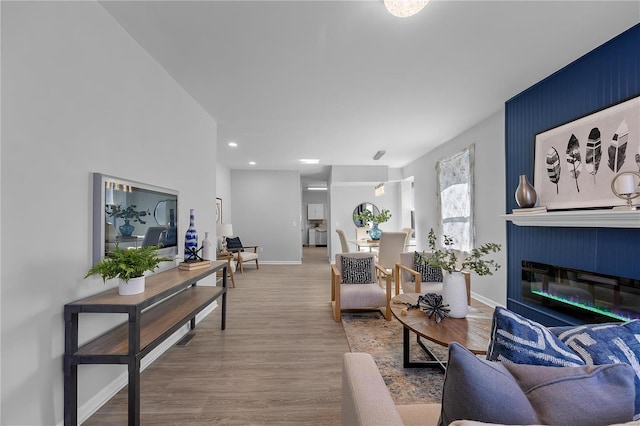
x: 472, y: 332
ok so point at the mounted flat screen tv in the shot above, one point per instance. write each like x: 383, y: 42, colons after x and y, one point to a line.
x: 132, y: 215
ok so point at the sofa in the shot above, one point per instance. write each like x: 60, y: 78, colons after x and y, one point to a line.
x: 551, y: 387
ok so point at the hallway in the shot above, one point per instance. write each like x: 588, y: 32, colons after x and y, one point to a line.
x: 278, y: 361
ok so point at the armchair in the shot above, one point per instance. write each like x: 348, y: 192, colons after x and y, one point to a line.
x: 414, y: 277
x: 354, y: 284
x: 242, y: 253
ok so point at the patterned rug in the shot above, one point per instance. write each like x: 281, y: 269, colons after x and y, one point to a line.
x: 369, y: 332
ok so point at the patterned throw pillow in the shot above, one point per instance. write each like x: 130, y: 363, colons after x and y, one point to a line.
x: 609, y: 343
x: 233, y: 243
x: 523, y: 341
x: 357, y: 270
x: 429, y: 273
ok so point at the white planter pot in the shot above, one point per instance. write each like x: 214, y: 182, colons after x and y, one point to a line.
x: 454, y: 294
x: 134, y: 286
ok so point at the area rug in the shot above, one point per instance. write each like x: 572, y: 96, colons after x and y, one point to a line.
x: 369, y: 332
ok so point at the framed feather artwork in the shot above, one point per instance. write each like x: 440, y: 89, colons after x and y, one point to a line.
x: 576, y: 162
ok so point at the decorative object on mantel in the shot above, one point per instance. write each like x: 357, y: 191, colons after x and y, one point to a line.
x: 525, y: 193
x: 531, y: 210
x: 129, y: 267
x: 576, y: 161
x: 431, y: 304
x: 191, y: 255
x: 454, y: 288
x: 127, y: 214
x: 191, y: 237
x: 367, y: 216
x: 626, y: 185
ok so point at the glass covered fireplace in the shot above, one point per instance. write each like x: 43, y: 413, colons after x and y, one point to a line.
x: 586, y: 296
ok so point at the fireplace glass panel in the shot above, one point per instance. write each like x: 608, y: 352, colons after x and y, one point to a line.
x: 586, y: 296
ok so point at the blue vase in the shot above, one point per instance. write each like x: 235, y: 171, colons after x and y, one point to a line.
x: 127, y: 229
x: 190, y: 238
x: 375, y: 232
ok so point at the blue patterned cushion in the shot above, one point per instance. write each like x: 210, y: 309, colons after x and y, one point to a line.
x: 429, y: 273
x: 610, y: 343
x: 522, y: 341
x: 234, y: 243
x: 357, y: 270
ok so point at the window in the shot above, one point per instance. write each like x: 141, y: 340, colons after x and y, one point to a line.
x: 455, y: 199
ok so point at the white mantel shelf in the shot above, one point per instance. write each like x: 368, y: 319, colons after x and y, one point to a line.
x: 604, y: 218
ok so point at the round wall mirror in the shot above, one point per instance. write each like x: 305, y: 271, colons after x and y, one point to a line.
x: 362, y: 207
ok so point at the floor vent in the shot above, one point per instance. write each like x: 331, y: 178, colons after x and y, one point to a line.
x: 186, y: 339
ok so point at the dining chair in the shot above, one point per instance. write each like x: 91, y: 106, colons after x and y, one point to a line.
x: 343, y: 241
x: 389, y: 249
x: 409, y: 232
x: 152, y: 236
x: 354, y: 284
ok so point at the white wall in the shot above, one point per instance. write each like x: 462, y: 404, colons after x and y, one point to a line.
x: 266, y: 212
x: 488, y: 137
x: 78, y: 95
x: 223, y: 190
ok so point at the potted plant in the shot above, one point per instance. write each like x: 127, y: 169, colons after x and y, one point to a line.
x: 129, y: 267
x: 454, y: 289
x: 127, y: 214
x: 367, y: 216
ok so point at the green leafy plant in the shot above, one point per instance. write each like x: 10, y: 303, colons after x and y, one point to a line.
x: 447, y: 260
x: 129, y: 213
x: 368, y: 216
x: 127, y: 264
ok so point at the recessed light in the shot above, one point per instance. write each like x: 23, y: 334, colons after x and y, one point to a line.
x: 233, y: 144
x: 252, y: 163
x: 309, y: 161
x: 317, y: 188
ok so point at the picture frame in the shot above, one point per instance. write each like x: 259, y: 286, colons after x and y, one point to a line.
x: 219, y: 210
x: 576, y: 162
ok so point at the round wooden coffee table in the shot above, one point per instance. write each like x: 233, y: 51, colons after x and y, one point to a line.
x: 472, y: 332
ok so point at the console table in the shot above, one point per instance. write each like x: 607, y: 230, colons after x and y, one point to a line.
x: 170, y: 300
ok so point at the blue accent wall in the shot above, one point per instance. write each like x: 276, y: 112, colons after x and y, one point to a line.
x: 607, y: 75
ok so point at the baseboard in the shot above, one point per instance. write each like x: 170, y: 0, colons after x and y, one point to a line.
x: 275, y: 262
x: 484, y: 300
x: 87, y: 409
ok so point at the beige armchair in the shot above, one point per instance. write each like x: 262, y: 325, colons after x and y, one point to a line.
x: 410, y: 279
x: 242, y: 253
x: 354, y: 284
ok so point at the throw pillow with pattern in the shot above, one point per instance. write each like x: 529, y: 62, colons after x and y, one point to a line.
x: 234, y: 243
x: 517, y: 339
x: 429, y: 273
x: 357, y: 270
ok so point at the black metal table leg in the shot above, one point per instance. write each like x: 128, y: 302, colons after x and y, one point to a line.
x: 406, y: 354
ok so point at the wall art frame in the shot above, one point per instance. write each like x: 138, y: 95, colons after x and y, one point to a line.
x: 576, y: 161
x: 219, y: 210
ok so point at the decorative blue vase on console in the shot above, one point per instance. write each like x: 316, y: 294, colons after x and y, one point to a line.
x: 375, y: 232
x: 191, y: 237
x: 127, y: 229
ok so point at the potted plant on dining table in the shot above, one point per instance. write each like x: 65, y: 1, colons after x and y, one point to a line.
x: 367, y: 216
x: 454, y: 289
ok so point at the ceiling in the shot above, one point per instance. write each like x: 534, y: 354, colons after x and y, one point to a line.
x: 340, y: 80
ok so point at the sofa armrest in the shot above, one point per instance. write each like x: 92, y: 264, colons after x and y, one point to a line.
x: 365, y: 398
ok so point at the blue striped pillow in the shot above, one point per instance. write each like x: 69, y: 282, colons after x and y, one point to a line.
x: 523, y: 341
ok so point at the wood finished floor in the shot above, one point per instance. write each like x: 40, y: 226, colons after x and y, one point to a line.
x: 277, y: 363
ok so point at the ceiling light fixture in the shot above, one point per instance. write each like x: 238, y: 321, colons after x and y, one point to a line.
x: 316, y: 188
x: 309, y: 161
x: 405, y: 8
x: 233, y: 144
x: 252, y: 163
x: 379, y: 154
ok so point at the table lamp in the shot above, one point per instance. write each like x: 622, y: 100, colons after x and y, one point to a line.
x: 224, y: 230
x: 626, y: 185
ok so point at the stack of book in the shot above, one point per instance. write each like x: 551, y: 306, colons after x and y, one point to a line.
x: 190, y: 266
x: 531, y: 210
